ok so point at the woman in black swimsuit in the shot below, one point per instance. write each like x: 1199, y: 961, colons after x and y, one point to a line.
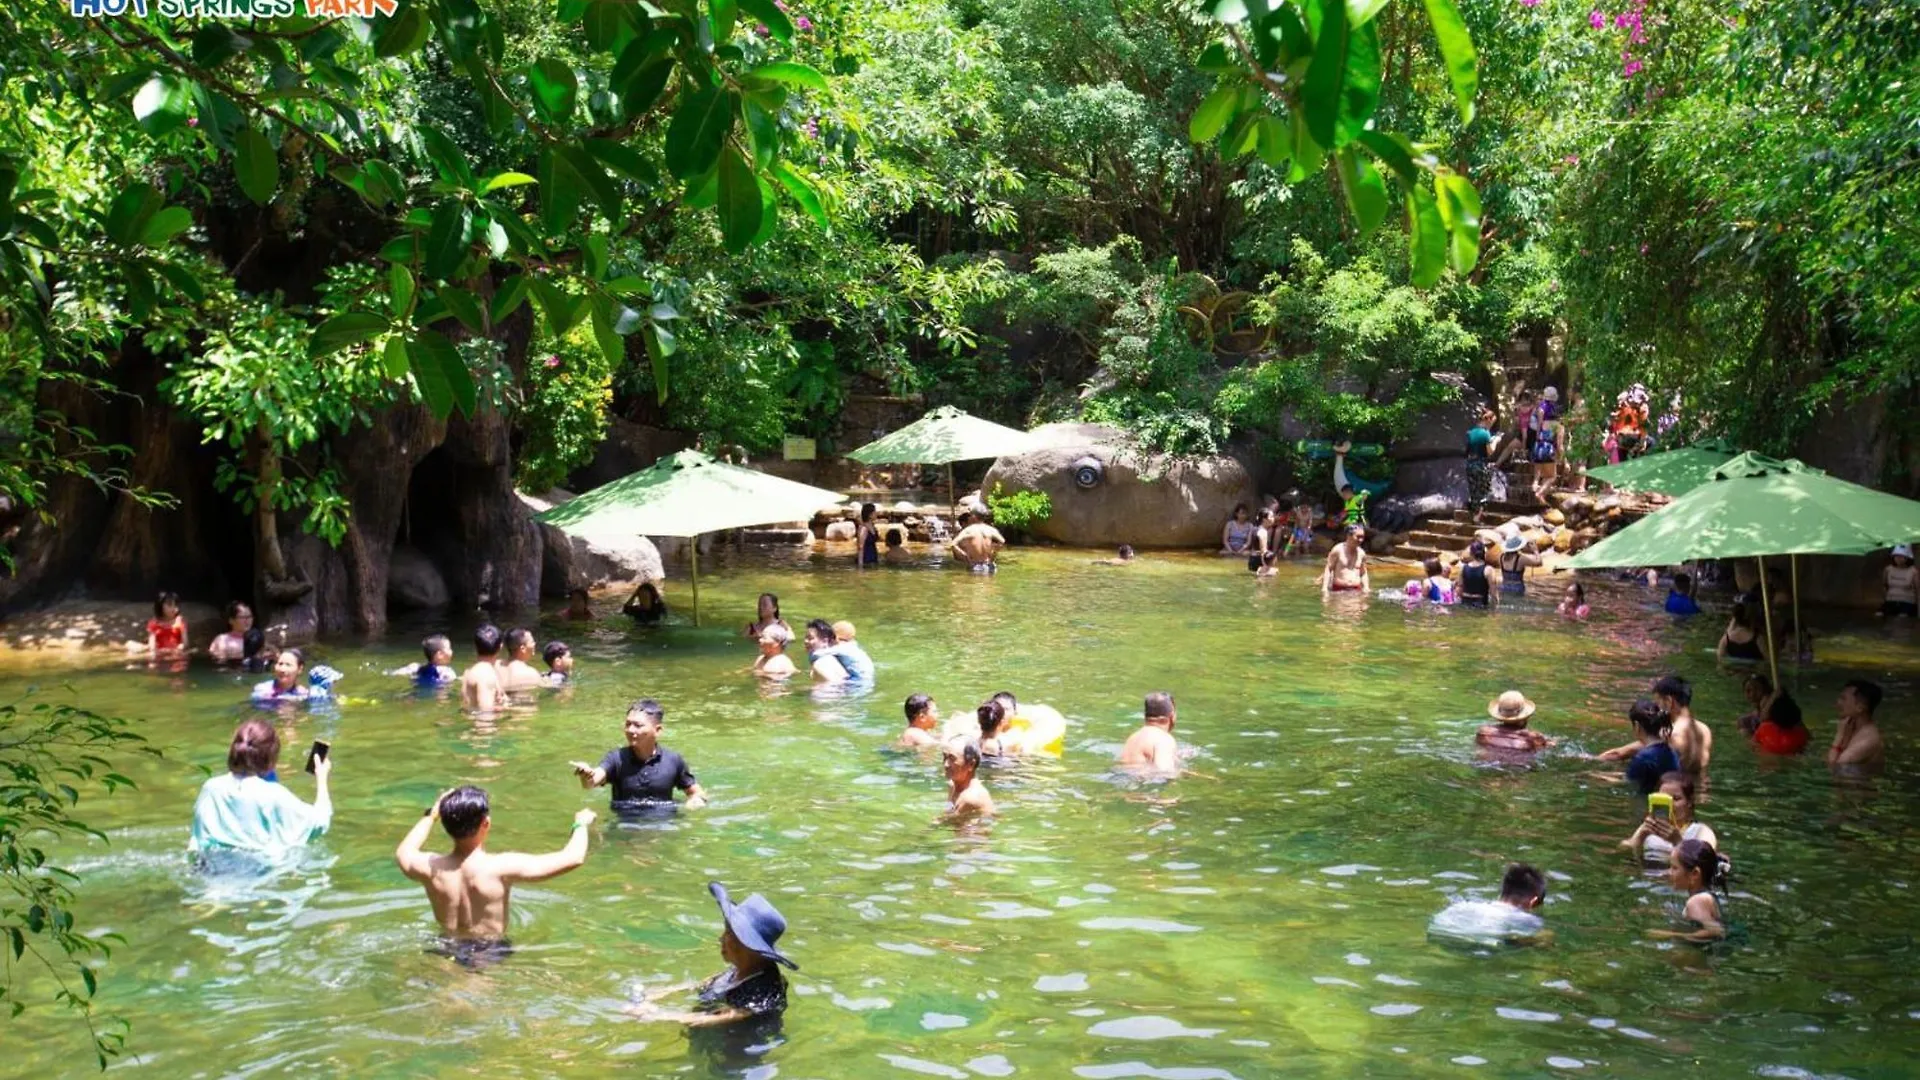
x: 1740, y: 641
x: 1475, y: 590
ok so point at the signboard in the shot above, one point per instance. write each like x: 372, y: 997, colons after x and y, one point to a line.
x: 798, y: 449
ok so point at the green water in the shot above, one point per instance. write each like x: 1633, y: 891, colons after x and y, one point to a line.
x: 1264, y: 917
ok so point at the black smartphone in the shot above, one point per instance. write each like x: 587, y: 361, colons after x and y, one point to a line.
x: 319, y: 750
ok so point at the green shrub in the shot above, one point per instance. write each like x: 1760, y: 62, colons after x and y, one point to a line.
x: 1019, y: 511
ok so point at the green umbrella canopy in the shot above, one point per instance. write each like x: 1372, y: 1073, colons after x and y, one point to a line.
x: 1670, y: 472
x: 1758, y: 506
x: 686, y: 494
x: 942, y: 437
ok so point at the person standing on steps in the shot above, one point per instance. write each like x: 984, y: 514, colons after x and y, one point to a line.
x: 1480, y: 464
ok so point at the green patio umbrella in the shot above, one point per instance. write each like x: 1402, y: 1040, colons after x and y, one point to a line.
x: 1756, y: 506
x: 1669, y: 472
x: 686, y: 494
x: 943, y: 436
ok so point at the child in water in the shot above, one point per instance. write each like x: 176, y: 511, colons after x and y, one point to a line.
x: 1651, y: 757
x: 1680, y: 598
x: 438, y: 668
x: 1574, y: 604
x: 751, y: 986
x: 1509, y: 920
x: 1695, y: 868
x: 559, y: 658
x: 167, y: 630
x: 1435, y: 588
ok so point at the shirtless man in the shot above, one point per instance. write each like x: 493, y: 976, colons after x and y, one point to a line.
x: 470, y: 886
x: 966, y: 796
x: 1858, y: 742
x: 820, y: 641
x: 1152, y: 749
x: 1347, y: 566
x: 773, y: 661
x: 922, y: 719
x: 518, y: 672
x: 1691, y: 739
x: 977, y: 544
x: 480, y: 688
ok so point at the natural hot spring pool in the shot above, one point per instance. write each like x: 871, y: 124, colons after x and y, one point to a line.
x: 1263, y: 918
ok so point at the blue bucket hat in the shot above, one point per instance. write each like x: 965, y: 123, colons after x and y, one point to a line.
x: 754, y: 922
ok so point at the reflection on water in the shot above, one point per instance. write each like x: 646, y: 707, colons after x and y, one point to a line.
x: 1264, y: 915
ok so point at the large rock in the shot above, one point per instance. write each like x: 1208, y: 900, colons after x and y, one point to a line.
x: 572, y: 561
x: 414, y: 582
x: 77, y: 626
x: 1133, y: 499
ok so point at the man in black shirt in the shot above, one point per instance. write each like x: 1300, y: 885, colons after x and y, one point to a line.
x: 642, y: 773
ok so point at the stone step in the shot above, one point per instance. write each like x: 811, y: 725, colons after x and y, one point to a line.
x: 1439, y: 541
x: 1417, y: 552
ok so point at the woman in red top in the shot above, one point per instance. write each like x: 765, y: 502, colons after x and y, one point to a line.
x: 1781, y: 729
x: 167, y: 630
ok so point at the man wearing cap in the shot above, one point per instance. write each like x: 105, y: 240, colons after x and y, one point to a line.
x: 751, y: 986
x: 1152, y: 749
x: 1512, y: 710
x: 1347, y: 566
x: 643, y: 774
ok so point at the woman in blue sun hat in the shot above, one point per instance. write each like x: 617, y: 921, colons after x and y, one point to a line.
x: 751, y: 986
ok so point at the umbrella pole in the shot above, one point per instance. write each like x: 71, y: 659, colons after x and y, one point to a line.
x: 1793, y: 563
x: 695, y: 550
x: 1766, y: 610
x: 953, y: 509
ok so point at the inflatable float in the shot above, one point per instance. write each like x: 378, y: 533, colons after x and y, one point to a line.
x: 1035, y: 729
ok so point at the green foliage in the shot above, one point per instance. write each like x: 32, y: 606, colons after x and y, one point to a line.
x: 569, y: 386
x: 1018, y: 511
x: 49, y: 755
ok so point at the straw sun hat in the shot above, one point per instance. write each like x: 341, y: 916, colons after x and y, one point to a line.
x: 1510, y: 706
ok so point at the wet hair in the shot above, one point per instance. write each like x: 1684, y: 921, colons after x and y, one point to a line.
x: 1758, y: 680
x: 823, y: 630
x: 1700, y: 855
x: 1240, y: 508
x: 1579, y: 592
x: 1478, y: 549
x: 1523, y: 885
x: 554, y: 651
x: 1432, y: 567
x: 991, y: 714
x: 779, y: 634
x: 161, y: 601
x: 652, y: 594
x: 1742, y: 616
x: 252, y: 642
x: 917, y: 704
x: 1159, y: 705
x: 299, y: 658
x: 233, y: 609
x: 1784, y: 712
x: 1126, y: 551
x: 255, y: 747
x: 1682, y: 780
x: 894, y: 538
x: 463, y: 811
x: 968, y: 752
x: 1007, y: 702
x: 1867, y: 690
x: 486, y: 640
x: 1675, y: 687
x: 767, y: 596
x: 649, y: 707
x: 1650, y: 718
x: 517, y: 637
x: 866, y: 511
x: 579, y: 590
x: 1683, y: 583
x: 435, y: 643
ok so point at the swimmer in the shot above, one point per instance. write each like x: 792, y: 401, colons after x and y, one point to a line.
x: 470, y: 887
x: 1758, y: 690
x: 559, y: 660
x: 1655, y: 837
x: 1858, y: 741
x: 480, y: 687
x: 827, y: 667
x: 287, y: 684
x: 859, y: 664
x: 922, y: 719
x: 751, y: 986
x: 579, y: 605
x: 232, y: 644
x: 1691, y: 739
x: 1650, y: 758
x: 1509, y: 920
x: 897, y: 553
x: 1346, y: 569
x: 1695, y: 868
x: 517, y: 671
x: 773, y: 662
x: 643, y: 774
x: 1435, y: 588
x: 438, y: 669
x: 767, y: 613
x: 977, y: 544
x: 966, y: 796
x: 167, y: 630
x: 1574, y: 604
x: 992, y: 716
x: 1512, y: 709
x: 1152, y: 748
x: 1121, y: 557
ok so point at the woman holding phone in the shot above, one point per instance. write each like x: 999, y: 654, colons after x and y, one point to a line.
x: 244, y: 809
x: 1669, y: 821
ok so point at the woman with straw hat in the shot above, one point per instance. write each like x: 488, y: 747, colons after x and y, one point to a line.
x: 1511, y: 711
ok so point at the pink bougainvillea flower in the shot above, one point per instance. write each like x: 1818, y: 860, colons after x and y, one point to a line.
x: 803, y: 23
x: 1597, y: 20
x: 1643, y: 249
x: 1529, y: 3
x: 1633, y: 68
x: 781, y: 4
x: 553, y: 361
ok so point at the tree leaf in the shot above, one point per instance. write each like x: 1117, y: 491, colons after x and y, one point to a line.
x: 1210, y: 117
x: 699, y: 127
x: 592, y: 177
x: 1308, y: 155
x: 403, y: 33
x: 612, y: 345
x: 1460, y: 210
x: 343, y: 330
x: 1392, y: 154
x: 740, y: 206
x: 1426, y: 238
x: 447, y: 157
x: 640, y: 87
x: 556, y: 89
x: 562, y: 310
x: 1456, y: 50
x: 165, y: 225
x: 1214, y: 60
x: 611, y: 25
x: 508, y: 298
x: 789, y: 73
x: 395, y: 355
x: 128, y: 214
x: 560, y: 193
x: 504, y: 180
x: 1273, y: 140
x: 465, y: 307
x: 660, y: 345
x: 769, y: 13
x: 1360, y: 12
x: 625, y: 160
x: 446, y: 239
x: 802, y: 190
x: 160, y: 105
x: 1366, y: 190
x: 1342, y: 87
x: 256, y: 165
x: 215, y: 44
x: 441, y: 374
x: 721, y: 16
x: 399, y: 289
